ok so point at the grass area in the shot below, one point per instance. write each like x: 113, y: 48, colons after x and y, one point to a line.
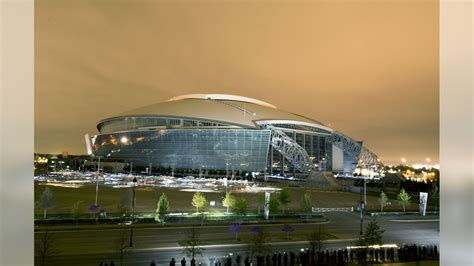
x: 147, y: 197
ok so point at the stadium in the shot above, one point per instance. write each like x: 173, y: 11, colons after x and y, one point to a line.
x: 225, y: 132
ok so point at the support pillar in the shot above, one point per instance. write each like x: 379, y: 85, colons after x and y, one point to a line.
x: 294, y: 138
x: 271, y: 160
x: 282, y: 165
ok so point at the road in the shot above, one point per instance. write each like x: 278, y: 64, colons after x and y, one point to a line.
x: 90, y: 246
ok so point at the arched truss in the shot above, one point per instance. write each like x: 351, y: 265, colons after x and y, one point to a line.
x: 366, y: 158
x: 299, y: 158
x: 291, y: 150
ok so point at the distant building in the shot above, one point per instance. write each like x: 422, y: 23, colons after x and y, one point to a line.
x: 225, y: 132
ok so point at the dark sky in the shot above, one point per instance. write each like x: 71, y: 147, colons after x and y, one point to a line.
x: 366, y: 68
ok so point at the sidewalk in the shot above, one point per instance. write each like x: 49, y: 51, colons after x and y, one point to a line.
x: 78, y: 227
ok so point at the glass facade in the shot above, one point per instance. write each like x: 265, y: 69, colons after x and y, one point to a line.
x: 301, y: 128
x: 185, y: 143
x: 213, y: 148
x: 131, y: 123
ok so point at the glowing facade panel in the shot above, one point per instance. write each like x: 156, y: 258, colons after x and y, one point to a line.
x: 233, y: 149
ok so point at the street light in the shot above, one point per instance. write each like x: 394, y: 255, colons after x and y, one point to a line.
x: 363, y: 201
x: 97, y: 181
x: 362, y: 207
x: 133, y: 211
x: 365, y: 190
x: 226, y: 168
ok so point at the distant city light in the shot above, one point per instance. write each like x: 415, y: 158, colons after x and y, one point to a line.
x: 420, y: 166
x: 42, y: 160
x: 404, y: 160
x: 375, y: 246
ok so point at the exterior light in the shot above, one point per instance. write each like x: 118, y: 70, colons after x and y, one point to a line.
x: 133, y: 211
x: 42, y: 160
x: 124, y: 140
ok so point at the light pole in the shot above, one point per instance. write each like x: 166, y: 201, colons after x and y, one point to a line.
x: 363, y: 199
x: 226, y: 168
x: 133, y: 212
x: 365, y: 190
x: 361, y: 206
x: 232, y: 169
x: 97, y: 181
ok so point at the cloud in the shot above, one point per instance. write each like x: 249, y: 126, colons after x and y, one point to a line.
x: 369, y: 68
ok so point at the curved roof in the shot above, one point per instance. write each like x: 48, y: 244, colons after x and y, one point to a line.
x: 230, y: 109
x: 222, y: 97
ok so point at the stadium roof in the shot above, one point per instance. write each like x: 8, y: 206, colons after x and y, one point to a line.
x: 231, y: 109
x: 222, y: 97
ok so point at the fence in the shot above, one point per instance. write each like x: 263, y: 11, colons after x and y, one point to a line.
x: 351, y: 209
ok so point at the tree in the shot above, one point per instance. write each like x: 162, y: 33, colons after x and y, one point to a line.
x: 47, y: 201
x: 382, y: 200
x: 260, y: 201
x: 435, y: 195
x: 274, y: 205
x: 315, y: 239
x: 122, y: 245
x: 306, y: 204
x: 124, y: 208
x: 228, y: 201
x: 162, y: 208
x: 373, y: 234
x: 93, y: 209
x: 236, y: 228
x: 284, y: 198
x: 403, y: 198
x: 45, y: 246
x: 256, y: 228
x: 259, y: 242
x: 199, y: 201
x: 287, y: 229
x: 192, y: 244
x: 77, y: 209
x: 240, y: 206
